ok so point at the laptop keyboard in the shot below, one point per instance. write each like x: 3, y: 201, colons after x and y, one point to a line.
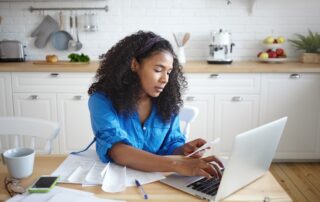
x: 207, y: 186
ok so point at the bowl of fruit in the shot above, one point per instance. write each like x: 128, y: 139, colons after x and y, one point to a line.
x: 274, y: 51
x: 271, y: 55
x: 273, y: 42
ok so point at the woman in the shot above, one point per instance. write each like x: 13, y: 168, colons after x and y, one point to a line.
x: 134, y: 107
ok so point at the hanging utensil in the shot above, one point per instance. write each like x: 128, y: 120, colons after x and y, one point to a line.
x: 79, y: 44
x: 186, y: 38
x: 60, y: 39
x: 72, y: 45
x: 175, y: 39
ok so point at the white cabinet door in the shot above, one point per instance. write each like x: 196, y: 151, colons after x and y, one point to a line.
x: 73, y: 112
x: 6, y: 107
x: 37, y: 105
x: 234, y: 114
x: 298, y: 97
x: 202, y: 125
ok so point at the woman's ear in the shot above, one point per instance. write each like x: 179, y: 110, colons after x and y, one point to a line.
x: 134, y: 64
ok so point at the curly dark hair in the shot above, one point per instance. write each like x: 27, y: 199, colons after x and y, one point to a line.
x: 115, y: 78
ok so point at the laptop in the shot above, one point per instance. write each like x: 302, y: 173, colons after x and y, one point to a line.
x: 250, y: 159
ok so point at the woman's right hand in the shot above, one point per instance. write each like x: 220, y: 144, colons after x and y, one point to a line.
x: 198, y: 167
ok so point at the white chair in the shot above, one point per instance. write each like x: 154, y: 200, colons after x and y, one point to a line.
x: 14, y: 130
x: 187, y: 115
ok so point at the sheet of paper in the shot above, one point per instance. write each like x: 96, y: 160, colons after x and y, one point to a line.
x: 114, y: 178
x: 16, y: 198
x: 73, y: 197
x: 94, y: 176
x: 36, y: 197
x: 70, y: 169
x: 85, y: 169
x: 143, y: 177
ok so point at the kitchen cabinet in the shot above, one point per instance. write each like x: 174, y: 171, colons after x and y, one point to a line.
x: 73, y: 113
x: 298, y: 97
x: 234, y: 114
x: 6, y: 108
x: 228, y: 104
x: 58, y: 97
x: 37, y: 105
x: 201, y: 127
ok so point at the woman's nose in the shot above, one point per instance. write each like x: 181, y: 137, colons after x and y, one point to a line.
x: 164, y: 78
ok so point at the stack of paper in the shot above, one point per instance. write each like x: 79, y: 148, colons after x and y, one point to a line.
x: 87, y: 169
x: 58, y: 194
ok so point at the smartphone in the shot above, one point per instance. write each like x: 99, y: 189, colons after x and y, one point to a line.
x: 43, y: 184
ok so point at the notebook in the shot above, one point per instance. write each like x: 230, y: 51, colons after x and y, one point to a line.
x: 251, y: 156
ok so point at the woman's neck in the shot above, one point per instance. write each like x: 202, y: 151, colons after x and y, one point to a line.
x: 144, y: 108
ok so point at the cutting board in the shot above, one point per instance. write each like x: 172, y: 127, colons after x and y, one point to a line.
x: 62, y: 62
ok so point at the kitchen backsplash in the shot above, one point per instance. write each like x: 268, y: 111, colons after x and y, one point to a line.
x: 199, y: 17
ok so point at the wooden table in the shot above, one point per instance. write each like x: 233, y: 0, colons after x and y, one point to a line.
x: 256, y: 191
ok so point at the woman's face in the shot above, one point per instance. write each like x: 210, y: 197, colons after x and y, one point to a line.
x: 154, y: 72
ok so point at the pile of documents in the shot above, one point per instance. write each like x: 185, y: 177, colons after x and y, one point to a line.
x: 59, y: 194
x: 87, y: 169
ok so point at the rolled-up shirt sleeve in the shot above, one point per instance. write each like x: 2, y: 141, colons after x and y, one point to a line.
x: 174, y: 138
x: 105, y: 125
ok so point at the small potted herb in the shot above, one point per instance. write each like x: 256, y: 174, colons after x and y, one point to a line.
x: 74, y: 57
x: 310, y: 44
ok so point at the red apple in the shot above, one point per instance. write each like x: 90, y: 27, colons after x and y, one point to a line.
x: 269, y: 50
x: 279, y: 52
x: 272, y: 54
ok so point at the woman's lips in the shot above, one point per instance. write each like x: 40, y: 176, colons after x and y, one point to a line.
x: 159, y: 89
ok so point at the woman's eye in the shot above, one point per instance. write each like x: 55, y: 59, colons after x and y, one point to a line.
x: 157, y: 70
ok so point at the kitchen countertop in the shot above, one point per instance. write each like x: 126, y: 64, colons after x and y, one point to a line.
x: 189, y: 67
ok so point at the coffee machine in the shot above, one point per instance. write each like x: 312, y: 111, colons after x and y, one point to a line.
x: 220, y: 48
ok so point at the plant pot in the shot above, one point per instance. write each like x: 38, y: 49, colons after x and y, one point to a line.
x: 310, y: 58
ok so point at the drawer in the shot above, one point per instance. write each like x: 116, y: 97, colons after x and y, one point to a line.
x: 223, y: 83
x: 51, y: 82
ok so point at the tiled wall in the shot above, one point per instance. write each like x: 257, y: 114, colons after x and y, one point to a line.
x: 199, y: 17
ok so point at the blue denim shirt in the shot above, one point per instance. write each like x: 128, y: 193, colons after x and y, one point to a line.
x: 109, y: 127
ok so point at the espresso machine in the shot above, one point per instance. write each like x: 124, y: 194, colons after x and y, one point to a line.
x: 220, y: 48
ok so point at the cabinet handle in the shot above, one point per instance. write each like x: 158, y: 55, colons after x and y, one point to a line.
x: 54, y: 74
x: 190, y: 98
x: 34, y: 97
x: 78, y: 97
x: 214, y: 76
x: 295, y: 76
x: 236, y: 99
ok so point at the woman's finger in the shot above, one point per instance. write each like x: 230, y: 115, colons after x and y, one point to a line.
x: 199, y: 142
x: 211, y: 170
x: 204, y: 173
x: 215, y: 159
x: 219, y: 173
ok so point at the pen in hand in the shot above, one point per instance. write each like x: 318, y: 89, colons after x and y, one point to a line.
x: 139, y: 186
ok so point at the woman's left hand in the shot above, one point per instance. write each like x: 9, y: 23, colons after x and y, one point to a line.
x: 192, y: 146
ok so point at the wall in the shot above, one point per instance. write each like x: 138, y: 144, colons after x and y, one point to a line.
x: 199, y: 17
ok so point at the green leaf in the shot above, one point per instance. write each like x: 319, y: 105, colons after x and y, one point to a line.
x: 309, y: 43
x: 74, y: 57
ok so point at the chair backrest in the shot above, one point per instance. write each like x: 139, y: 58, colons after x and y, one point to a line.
x: 15, y: 129
x: 187, y: 115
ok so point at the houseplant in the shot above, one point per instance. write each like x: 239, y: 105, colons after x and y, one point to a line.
x: 310, y: 44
